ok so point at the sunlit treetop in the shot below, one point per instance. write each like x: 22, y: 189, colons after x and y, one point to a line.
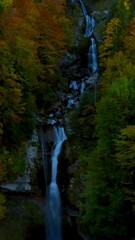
x: 4, y: 4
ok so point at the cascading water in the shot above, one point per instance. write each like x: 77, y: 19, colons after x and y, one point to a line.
x: 60, y: 138
x: 83, y: 8
x: 92, y: 56
x: 90, y: 22
x: 53, y: 203
x: 73, y: 85
x: 92, y: 53
x: 53, y: 206
x: 82, y: 87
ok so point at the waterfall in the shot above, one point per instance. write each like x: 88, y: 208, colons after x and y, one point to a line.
x: 53, y: 214
x: 82, y: 87
x: 53, y: 201
x: 60, y: 138
x: 92, y: 56
x: 73, y: 85
x: 92, y: 53
x: 90, y: 24
x: 51, y: 120
x: 84, y: 10
x: 53, y: 206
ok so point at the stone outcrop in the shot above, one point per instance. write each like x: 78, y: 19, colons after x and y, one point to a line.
x: 23, y: 183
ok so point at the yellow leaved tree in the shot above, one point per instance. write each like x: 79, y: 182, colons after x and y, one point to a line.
x: 109, y: 45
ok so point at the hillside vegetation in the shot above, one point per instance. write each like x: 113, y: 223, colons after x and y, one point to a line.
x: 104, y: 138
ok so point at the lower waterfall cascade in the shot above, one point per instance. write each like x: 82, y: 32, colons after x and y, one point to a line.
x: 53, y: 205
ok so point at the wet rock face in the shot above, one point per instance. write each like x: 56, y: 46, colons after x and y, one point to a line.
x: 23, y: 183
x: 70, y: 64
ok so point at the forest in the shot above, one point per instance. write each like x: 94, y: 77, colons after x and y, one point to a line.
x: 34, y: 36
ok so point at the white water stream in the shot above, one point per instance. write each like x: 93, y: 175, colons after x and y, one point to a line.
x: 53, y: 205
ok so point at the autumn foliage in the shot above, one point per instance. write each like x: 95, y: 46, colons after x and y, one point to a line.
x: 33, y: 38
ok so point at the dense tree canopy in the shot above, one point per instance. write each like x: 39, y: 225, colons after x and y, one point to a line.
x: 34, y: 35
x: 107, y: 170
x: 33, y: 38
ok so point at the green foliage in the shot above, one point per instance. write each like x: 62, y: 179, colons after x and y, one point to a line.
x: 23, y: 218
x: 109, y: 169
x: 82, y: 120
x: 105, y: 195
x: 125, y: 156
x: 12, y: 164
x: 128, y: 41
x: 45, y: 95
x: 102, y: 208
x: 120, y: 28
x: 110, y: 42
x: 116, y: 69
x: 28, y: 123
x: 125, y: 11
x: 116, y: 109
x: 5, y: 4
x: 33, y: 37
x: 3, y: 209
